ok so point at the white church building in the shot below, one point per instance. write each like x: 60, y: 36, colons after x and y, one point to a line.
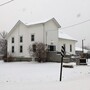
x: 23, y: 35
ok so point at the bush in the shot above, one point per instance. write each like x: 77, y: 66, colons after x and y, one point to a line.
x: 8, y: 58
x: 5, y: 58
x: 39, y: 51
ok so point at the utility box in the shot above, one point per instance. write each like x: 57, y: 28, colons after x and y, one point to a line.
x: 81, y: 61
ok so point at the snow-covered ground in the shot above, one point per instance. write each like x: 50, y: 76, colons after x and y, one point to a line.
x: 43, y: 76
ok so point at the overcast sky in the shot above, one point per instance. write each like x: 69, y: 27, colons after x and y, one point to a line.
x: 66, y: 12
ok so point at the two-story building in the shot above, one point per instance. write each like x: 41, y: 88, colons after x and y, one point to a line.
x: 23, y: 35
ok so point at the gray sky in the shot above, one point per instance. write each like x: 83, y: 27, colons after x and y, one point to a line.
x: 66, y: 12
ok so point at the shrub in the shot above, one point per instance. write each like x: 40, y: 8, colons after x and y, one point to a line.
x: 8, y: 58
x: 39, y: 51
x: 5, y: 58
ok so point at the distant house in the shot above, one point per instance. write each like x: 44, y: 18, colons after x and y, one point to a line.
x: 78, y: 50
x: 22, y: 35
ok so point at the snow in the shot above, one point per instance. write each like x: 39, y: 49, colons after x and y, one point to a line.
x: 63, y: 35
x: 43, y: 76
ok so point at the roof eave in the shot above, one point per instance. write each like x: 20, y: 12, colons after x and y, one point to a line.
x: 18, y: 22
x: 68, y: 39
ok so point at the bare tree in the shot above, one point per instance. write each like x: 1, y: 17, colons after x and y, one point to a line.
x: 3, y: 43
x: 3, y: 35
x: 39, y: 51
x: 87, y: 47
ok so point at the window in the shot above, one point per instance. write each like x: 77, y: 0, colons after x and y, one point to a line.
x: 32, y: 37
x: 51, y: 48
x: 12, y: 49
x: 21, y: 49
x: 34, y: 48
x: 21, y: 39
x: 64, y: 46
x: 70, y: 48
x: 12, y: 39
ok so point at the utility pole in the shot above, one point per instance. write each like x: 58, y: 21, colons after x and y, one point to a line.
x: 83, y: 45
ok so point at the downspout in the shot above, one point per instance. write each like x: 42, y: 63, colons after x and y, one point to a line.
x: 18, y: 39
x: 59, y: 39
x: 43, y: 33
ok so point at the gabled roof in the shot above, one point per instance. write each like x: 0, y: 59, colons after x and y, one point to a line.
x: 55, y: 21
x: 42, y: 22
x: 19, y: 22
x: 62, y: 35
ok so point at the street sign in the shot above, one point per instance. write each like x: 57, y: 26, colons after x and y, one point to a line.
x: 62, y: 51
x: 62, y: 54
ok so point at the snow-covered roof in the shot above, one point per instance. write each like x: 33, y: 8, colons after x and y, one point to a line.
x: 80, y: 49
x: 63, y: 35
x: 30, y: 24
x: 44, y: 21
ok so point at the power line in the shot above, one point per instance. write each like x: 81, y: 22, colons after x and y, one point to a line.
x: 76, y: 24
x: 6, y: 2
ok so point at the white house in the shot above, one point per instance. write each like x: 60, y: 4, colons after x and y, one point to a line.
x: 22, y: 36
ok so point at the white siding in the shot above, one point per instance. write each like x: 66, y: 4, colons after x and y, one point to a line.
x: 15, y: 44
x: 51, y: 33
x: 45, y: 32
x: 67, y: 43
x: 25, y: 32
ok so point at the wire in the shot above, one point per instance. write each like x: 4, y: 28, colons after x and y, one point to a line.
x: 76, y: 24
x: 6, y: 2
